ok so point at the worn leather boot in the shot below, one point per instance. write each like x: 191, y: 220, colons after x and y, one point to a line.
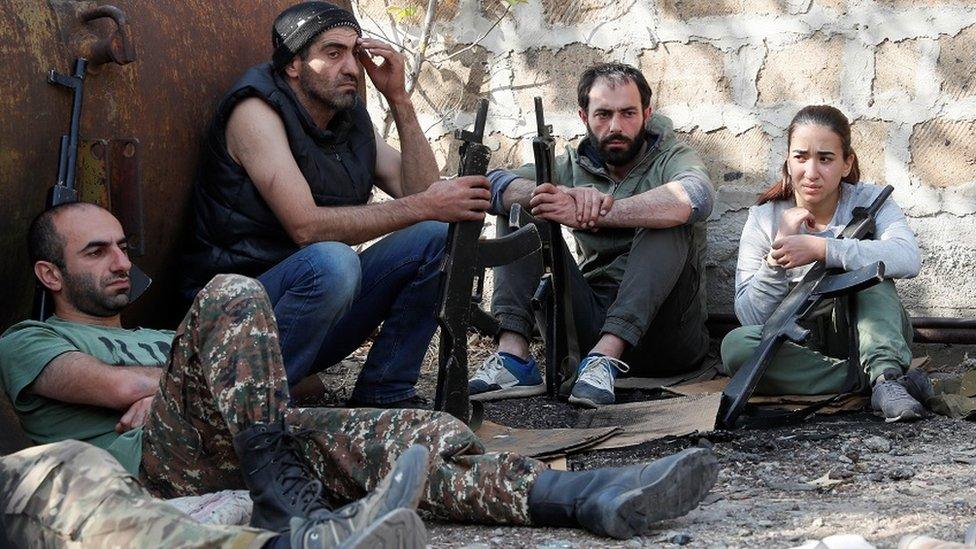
x: 281, y: 482
x: 623, y: 502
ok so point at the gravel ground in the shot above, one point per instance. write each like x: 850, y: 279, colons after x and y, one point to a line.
x: 843, y: 474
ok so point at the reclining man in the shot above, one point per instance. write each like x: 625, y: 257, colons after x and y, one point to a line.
x: 206, y: 409
x: 636, y: 200
x: 289, y: 165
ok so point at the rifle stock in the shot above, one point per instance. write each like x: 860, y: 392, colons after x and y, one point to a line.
x: 462, y: 279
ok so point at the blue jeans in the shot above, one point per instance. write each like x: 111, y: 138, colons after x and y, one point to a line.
x: 328, y: 300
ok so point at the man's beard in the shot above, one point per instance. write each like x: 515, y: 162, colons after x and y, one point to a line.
x: 84, y: 293
x: 617, y: 157
x: 327, y: 93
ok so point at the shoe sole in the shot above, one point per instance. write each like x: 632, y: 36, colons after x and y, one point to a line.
x: 398, y: 529
x: 585, y: 402
x: 518, y: 391
x: 409, y: 476
x: 679, y: 490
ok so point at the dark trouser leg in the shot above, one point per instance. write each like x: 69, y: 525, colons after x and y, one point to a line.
x: 73, y: 494
x: 400, y: 276
x: 310, y: 291
x: 658, y: 310
x: 515, y: 283
x: 225, y: 373
x: 353, y: 449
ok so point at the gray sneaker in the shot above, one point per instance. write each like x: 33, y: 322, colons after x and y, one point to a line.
x: 594, y: 384
x: 398, y: 529
x: 384, y: 518
x: 918, y: 384
x: 892, y: 399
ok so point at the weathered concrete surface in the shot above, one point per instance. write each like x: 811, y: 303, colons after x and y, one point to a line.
x: 731, y: 74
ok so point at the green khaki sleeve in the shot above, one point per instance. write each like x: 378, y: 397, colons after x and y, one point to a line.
x: 682, y: 160
x: 25, y: 349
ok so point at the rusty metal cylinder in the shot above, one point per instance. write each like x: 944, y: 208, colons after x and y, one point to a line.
x: 157, y: 70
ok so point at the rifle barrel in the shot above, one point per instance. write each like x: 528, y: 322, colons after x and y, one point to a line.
x: 481, y: 118
x: 880, y: 200
x: 540, y: 119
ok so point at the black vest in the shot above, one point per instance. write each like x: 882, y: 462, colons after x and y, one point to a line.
x: 234, y: 230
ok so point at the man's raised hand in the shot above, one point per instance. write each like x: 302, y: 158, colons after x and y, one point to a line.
x: 460, y: 199
x: 389, y: 76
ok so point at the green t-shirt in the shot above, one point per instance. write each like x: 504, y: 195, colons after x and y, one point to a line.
x: 27, y: 347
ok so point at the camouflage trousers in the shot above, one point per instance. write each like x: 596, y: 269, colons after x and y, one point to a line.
x: 73, y: 494
x: 226, y: 373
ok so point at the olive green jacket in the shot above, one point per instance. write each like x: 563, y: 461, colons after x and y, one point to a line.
x: 603, y: 254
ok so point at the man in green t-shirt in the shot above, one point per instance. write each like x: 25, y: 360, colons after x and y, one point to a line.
x: 636, y: 200
x: 216, y: 415
x: 80, y: 375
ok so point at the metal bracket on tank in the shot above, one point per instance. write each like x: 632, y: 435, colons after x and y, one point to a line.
x: 109, y: 175
x: 100, y: 34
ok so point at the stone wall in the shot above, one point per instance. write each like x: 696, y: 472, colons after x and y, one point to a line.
x: 731, y: 74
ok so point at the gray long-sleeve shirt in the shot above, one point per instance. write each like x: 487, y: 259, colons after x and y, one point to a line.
x: 759, y: 288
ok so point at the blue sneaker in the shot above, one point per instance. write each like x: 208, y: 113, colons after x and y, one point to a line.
x: 505, y: 376
x: 594, y: 381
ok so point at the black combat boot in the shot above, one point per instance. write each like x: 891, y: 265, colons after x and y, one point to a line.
x: 623, y: 502
x: 281, y: 483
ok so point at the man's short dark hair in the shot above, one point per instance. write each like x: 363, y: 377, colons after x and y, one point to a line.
x: 614, y: 73
x: 44, y: 242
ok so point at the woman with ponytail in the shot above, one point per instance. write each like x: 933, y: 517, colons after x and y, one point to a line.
x: 796, y: 223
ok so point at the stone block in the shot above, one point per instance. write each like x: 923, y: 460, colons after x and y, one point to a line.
x: 869, y: 139
x: 686, y: 73
x: 507, y: 152
x: 553, y: 75
x: 911, y: 3
x: 453, y: 86
x: 943, y: 152
x: 378, y: 10
x: 807, y: 72
x: 840, y: 6
x: 945, y: 286
x: 690, y: 9
x: 896, y: 67
x: 574, y: 12
x: 733, y: 159
x: 955, y: 64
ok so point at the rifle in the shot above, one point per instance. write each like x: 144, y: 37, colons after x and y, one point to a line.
x: 818, y: 284
x: 552, y: 301
x: 466, y: 257
x: 64, y: 191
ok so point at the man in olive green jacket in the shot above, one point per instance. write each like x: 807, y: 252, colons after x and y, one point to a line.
x: 636, y: 200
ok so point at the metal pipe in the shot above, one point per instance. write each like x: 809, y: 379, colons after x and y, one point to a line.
x: 928, y: 329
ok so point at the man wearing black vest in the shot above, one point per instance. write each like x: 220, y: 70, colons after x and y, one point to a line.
x: 288, y: 168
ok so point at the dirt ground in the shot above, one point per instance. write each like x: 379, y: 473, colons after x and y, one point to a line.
x: 842, y: 474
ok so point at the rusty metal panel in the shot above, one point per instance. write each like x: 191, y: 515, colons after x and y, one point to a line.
x: 186, y: 54
x: 92, y: 175
x: 125, y: 187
